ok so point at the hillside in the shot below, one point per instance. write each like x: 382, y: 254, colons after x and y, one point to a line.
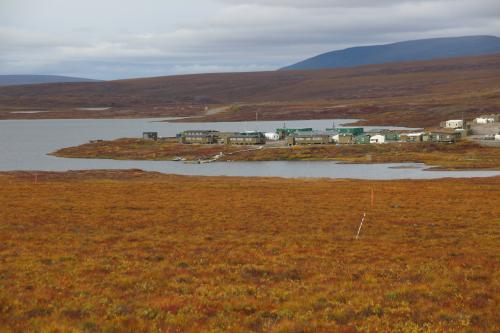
x: 15, y: 80
x: 415, y: 94
x: 416, y: 50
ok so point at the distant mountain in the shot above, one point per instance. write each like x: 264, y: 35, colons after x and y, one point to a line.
x: 416, y: 50
x: 16, y: 80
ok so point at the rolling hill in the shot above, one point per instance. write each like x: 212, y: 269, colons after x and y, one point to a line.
x: 411, y: 93
x: 416, y: 50
x: 375, y: 81
x: 14, y: 80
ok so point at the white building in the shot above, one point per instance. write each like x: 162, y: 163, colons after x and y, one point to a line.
x: 455, y: 123
x: 484, y: 120
x: 272, y: 136
x: 497, y: 137
x: 412, y: 137
x: 377, y: 139
x: 335, y: 138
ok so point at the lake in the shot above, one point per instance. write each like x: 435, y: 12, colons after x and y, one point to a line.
x: 25, y: 143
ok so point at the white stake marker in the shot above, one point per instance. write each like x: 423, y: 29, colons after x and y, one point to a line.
x: 360, y: 225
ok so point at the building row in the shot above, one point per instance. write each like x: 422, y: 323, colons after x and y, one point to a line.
x: 466, y: 124
x: 358, y: 136
x: 308, y: 136
x: 449, y: 131
x: 216, y: 137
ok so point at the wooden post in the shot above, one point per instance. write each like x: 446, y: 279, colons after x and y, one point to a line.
x: 373, y: 197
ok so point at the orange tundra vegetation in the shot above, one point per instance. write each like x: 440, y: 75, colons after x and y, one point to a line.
x: 117, y: 251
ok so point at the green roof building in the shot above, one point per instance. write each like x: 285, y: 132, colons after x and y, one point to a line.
x: 351, y: 130
x: 284, y: 132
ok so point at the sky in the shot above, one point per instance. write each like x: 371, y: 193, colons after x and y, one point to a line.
x: 115, y: 39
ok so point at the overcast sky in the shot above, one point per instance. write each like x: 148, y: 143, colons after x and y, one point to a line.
x: 112, y: 39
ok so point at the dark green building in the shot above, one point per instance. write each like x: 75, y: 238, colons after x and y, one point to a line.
x: 391, y: 136
x: 351, y: 130
x: 284, y: 132
x: 362, y: 139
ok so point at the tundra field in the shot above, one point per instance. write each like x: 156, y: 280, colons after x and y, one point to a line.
x: 116, y: 251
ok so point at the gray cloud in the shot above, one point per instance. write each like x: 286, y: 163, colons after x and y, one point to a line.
x: 325, y: 3
x: 215, y: 35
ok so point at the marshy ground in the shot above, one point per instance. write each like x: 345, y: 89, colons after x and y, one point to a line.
x: 118, y: 251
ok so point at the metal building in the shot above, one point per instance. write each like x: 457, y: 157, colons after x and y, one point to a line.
x: 150, y: 136
x: 247, y: 138
x: 351, y: 130
x: 378, y: 138
x: 345, y: 138
x: 362, y: 139
x: 199, y: 136
x: 311, y: 138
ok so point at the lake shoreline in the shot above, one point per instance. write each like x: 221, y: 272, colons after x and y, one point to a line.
x: 40, y: 137
x: 444, y: 157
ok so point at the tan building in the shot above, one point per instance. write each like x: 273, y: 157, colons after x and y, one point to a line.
x: 198, y: 136
x: 444, y: 135
x: 345, y: 139
x: 256, y: 138
x: 411, y: 137
x: 223, y: 137
x: 311, y: 139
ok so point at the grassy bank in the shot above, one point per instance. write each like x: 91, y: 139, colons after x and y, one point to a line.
x: 131, y: 251
x: 464, y: 155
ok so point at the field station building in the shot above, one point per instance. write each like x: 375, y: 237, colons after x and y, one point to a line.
x: 213, y: 137
x: 199, y: 136
x: 150, y: 136
x: 487, y: 119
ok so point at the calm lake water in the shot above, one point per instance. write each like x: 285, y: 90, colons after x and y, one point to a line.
x: 25, y: 143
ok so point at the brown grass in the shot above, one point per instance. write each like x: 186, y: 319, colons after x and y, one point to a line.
x: 142, y: 252
x: 137, y: 149
x: 463, y: 155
